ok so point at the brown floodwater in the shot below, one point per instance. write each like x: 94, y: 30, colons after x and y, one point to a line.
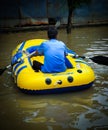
x: 81, y: 110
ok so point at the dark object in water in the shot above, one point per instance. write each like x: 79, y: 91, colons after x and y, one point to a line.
x: 100, y: 60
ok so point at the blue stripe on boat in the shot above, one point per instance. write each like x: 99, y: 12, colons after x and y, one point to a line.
x: 23, y: 67
x: 22, y: 46
x: 17, y: 65
x: 57, y: 90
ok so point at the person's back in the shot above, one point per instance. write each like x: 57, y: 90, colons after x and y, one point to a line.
x: 54, y: 52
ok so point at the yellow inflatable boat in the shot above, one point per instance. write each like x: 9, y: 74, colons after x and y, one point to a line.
x: 79, y: 75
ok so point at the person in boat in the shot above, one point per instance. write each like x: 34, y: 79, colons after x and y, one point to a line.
x: 54, y: 51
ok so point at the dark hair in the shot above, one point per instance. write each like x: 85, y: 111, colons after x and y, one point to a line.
x: 52, y: 32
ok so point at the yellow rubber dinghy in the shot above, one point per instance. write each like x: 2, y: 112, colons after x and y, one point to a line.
x: 77, y: 77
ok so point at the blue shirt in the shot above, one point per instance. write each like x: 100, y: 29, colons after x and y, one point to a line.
x: 54, y: 52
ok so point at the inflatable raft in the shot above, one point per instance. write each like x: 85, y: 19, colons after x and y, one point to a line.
x: 79, y: 75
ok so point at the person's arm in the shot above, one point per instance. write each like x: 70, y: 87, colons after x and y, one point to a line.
x: 66, y: 50
x: 37, y: 53
x: 40, y: 49
x: 70, y: 52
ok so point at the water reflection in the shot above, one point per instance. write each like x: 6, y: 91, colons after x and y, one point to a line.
x: 52, y: 112
x: 82, y: 112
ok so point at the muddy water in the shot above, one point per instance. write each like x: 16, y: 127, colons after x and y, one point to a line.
x: 84, y: 110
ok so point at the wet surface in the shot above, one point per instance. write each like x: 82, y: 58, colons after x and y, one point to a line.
x: 82, y: 110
